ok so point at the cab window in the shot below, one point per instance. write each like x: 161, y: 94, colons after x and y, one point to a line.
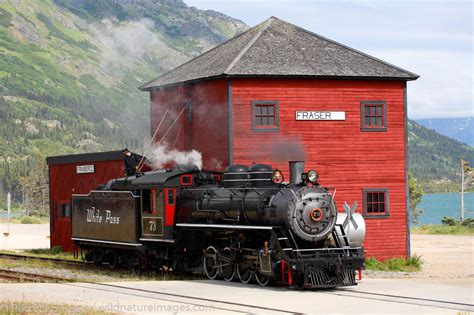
x: 152, y: 202
x: 170, y: 197
x: 146, y: 201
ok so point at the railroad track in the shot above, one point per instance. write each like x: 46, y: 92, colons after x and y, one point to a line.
x: 196, y: 300
x: 404, y: 299
x: 230, y: 305
x: 184, y: 299
x: 50, y: 259
x: 18, y: 276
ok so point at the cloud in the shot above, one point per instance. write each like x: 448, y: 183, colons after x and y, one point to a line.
x: 445, y: 86
x: 431, y: 38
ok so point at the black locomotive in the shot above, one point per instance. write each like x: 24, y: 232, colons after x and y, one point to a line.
x: 242, y: 224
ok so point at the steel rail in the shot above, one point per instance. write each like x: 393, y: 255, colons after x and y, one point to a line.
x: 393, y: 298
x: 263, y: 308
x: 33, y: 277
x: 404, y: 297
x: 20, y: 276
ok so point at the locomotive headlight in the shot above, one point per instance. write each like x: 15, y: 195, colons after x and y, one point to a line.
x: 277, y: 177
x: 312, y: 176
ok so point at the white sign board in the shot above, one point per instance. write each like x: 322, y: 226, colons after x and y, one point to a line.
x: 320, y: 115
x: 85, y: 169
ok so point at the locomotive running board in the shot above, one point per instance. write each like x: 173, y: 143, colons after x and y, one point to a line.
x: 105, y: 242
x: 224, y: 226
x: 156, y: 240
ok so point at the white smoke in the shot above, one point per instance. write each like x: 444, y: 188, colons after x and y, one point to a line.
x: 161, y: 155
x: 127, y: 43
x: 216, y: 164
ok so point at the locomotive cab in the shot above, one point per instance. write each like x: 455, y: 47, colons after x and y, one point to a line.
x: 158, y: 208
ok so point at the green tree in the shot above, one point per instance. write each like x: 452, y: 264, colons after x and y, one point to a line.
x: 34, y: 188
x: 416, y: 193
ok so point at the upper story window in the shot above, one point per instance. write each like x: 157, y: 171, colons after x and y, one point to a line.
x: 373, y: 115
x: 265, y: 115
x: 375, y: 202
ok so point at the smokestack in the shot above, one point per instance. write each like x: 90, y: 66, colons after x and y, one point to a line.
x: 296, y: 169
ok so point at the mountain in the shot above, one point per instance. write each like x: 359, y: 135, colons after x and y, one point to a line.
x: 434, y: 159
x: 69, y: 72
x: 72, y: 68
x: 461, y: 129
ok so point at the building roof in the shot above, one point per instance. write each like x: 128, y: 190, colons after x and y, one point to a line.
x: 88, y: 157
x: 277, y: 48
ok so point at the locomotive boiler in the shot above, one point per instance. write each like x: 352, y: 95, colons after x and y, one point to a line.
x: 249, y: 196
x: 244, y: 224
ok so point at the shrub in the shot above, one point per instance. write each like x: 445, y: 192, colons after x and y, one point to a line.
x: 469, y: 222
x: 56, y: 250
x: 466, y: 229
x: 449, y: 221
x: 372, y: 263
x: 410, y: 264
x: 31, y: 220
x: 414, y: 261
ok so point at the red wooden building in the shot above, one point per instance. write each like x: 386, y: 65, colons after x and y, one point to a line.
x: 278, y: 92
x: 79, y: 174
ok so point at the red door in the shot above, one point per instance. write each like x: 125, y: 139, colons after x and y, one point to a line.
x: 170, y: 206
x: 61, y: 233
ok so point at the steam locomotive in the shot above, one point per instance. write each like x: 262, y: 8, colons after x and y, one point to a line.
x: 244, y: 224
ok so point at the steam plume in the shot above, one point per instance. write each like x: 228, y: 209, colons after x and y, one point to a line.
x: 161, y: 155
x: 282, y: 149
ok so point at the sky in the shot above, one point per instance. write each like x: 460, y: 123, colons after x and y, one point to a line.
x: 433, y: 39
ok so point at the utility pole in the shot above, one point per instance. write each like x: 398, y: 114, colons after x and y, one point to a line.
x: 462, y: 190
x: 466, y: 180
x: 9, y: 204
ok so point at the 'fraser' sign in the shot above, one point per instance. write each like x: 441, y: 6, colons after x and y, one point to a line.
x: 320, y: 115
x: 85, y: 169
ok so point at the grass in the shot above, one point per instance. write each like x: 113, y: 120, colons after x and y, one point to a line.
x: 91, y: 272
x: 40, y: 264
x: 23, y: 307
x: 411, y: 264
x: 55, y: 252
x: 442, y: 230
x: 26, y: 220
x: 31, y: 220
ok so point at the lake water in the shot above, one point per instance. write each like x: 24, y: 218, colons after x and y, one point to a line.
x: 436, y: 206
x: 13, y: 214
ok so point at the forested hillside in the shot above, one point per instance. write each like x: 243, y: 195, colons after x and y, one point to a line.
x: 461, y: 129
x: 69, y: 72
x: 434, y: 159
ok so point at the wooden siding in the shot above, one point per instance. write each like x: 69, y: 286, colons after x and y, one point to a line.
x: 63, y: 182
x: 202, y: 127
x: 346, y: 157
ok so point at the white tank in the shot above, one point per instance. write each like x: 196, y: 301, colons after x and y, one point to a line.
x: 354, y: 230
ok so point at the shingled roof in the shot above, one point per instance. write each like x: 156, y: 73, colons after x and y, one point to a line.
x: 278, y: 48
